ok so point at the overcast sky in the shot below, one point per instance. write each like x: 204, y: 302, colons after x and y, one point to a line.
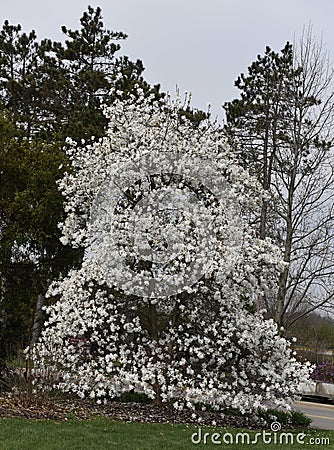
x: 199, y: 46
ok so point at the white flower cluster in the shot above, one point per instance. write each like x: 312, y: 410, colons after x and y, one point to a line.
x: 166, y: 294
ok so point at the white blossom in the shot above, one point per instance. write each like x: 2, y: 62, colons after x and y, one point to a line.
x: 159, y: 205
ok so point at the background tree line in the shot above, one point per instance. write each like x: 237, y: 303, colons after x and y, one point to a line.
x: 280, y: 128
x: 48, y: 91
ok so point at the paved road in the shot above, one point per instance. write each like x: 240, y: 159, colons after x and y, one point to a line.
x: 322, y: 415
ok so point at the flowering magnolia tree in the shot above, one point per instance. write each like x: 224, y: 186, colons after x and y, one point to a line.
x: 165, y: 298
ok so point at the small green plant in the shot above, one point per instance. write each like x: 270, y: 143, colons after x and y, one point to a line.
x: 293, y: 418
x: 131, y: 396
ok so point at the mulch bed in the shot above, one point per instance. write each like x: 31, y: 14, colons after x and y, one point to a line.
x: 65, y: 408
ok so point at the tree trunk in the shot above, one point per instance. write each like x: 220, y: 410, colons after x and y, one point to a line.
x: 38, y: 319
x: 153, y: 321
x: 282, y: 286
x: 154, y: 337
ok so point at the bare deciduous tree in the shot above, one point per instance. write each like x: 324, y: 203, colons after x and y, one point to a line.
x: 283, y: 126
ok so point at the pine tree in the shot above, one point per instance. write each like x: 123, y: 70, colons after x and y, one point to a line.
x: 30, y: 209
x: 280, y: 128
x: 256, y: 124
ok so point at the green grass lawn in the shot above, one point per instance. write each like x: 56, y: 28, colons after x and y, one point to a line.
x: 104, y: 434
